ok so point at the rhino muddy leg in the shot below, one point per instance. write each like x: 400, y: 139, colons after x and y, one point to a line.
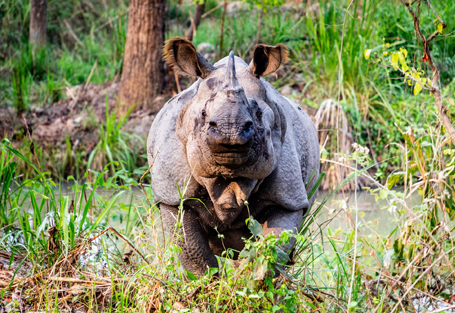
x: 196, y: 256
x: 278, y: 219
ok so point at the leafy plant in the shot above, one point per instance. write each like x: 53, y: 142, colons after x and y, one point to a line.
x: 114, y: 143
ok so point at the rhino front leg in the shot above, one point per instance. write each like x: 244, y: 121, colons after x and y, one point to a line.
x: 277, y: 219
x: 196, y: 256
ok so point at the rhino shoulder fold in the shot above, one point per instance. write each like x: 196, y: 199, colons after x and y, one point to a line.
x: 170, y: 171
x: 299, y: 157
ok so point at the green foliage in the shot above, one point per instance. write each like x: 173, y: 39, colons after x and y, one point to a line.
x: 264, y: 4
x: 39, y: 207
x: 114, y: 143
x: 77, y: 40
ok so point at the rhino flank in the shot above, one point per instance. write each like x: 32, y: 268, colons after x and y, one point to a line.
x: 227, y: 139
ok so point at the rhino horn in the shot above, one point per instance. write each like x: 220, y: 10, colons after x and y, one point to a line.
x: 231, y: 82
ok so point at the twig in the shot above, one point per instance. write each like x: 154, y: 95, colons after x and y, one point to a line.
x: 91, y: 73
x: 77, y: 281
x: 210, y: 11
x: 421, y: 275
x: 82, y: 247
x: 110, y: 21
x: 437, y: 16
x: 130, y: 244
x: 73, y: 34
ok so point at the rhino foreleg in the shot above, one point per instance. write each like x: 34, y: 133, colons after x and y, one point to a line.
x: 196, y: 256
x: 278, y: 220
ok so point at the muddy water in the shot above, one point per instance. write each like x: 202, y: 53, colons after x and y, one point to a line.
x: 372, y: 214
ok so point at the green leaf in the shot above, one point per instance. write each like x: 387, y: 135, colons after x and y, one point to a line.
x: 352, y: 306
x: 282, y: 257
x: 250, y: 254
x: 275, y: 308
x: 417, y: 89
x: 211, y: 271
x: 191, y: 275
x: 392, y: 180
x: 254, y: 227
x: 367, y: 53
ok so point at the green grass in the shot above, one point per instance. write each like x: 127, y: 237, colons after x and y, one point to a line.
x: 94, y: 233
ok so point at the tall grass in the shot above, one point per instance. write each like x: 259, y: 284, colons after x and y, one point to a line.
x: 351, y: 269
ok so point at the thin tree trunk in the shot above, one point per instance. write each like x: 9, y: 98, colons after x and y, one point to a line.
x: 200, y: 7
x: 38, y: 15
x: 143, y: 72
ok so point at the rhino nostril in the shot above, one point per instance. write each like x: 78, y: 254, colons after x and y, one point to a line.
x: 248, y: 125
x: 212, y: 123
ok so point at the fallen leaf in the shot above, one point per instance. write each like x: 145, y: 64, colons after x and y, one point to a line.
x: 178, y: 306
x: 425, y: 57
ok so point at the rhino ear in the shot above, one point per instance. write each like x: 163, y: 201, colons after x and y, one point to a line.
x: 182, y: 55
x: 267, y: 59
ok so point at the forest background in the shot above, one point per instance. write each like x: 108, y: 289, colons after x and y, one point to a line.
x: 76, y: 106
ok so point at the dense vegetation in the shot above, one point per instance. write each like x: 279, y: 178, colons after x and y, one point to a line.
x: 97, y: 242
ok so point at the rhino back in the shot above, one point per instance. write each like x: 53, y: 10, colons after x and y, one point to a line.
x: 299, y: 157
x: 165, y: 150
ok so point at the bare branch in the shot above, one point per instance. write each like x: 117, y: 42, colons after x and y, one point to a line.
x: 444, y: 25
x: 432, y: 36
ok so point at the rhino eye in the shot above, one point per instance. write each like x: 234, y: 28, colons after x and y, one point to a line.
x: 204, y: 113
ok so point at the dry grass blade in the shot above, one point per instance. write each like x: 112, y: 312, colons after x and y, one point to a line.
x: 77, y: 281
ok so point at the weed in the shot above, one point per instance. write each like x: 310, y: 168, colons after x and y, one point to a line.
x: 115, y: 144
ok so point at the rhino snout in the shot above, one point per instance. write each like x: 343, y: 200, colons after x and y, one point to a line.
x: 230, y: 143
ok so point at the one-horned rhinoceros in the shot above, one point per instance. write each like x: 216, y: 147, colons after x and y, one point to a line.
x: 227, y: 139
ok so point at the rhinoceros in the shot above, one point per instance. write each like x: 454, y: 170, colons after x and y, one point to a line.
x: 233, y: 147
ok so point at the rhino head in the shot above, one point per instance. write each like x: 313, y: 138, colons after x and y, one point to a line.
x: 231, y: 130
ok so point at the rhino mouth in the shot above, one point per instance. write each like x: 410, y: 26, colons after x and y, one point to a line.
x: 231, y: 155
x: 231, y: 159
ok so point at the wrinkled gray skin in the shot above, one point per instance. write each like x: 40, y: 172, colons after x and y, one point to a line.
x: 231, y: 137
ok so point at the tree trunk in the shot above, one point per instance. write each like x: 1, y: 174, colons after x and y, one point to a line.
x: 196, y: 21
x: 38, y: 17
x: 143, y: 73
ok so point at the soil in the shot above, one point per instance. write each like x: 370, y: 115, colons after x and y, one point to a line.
x: 76, y: 119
